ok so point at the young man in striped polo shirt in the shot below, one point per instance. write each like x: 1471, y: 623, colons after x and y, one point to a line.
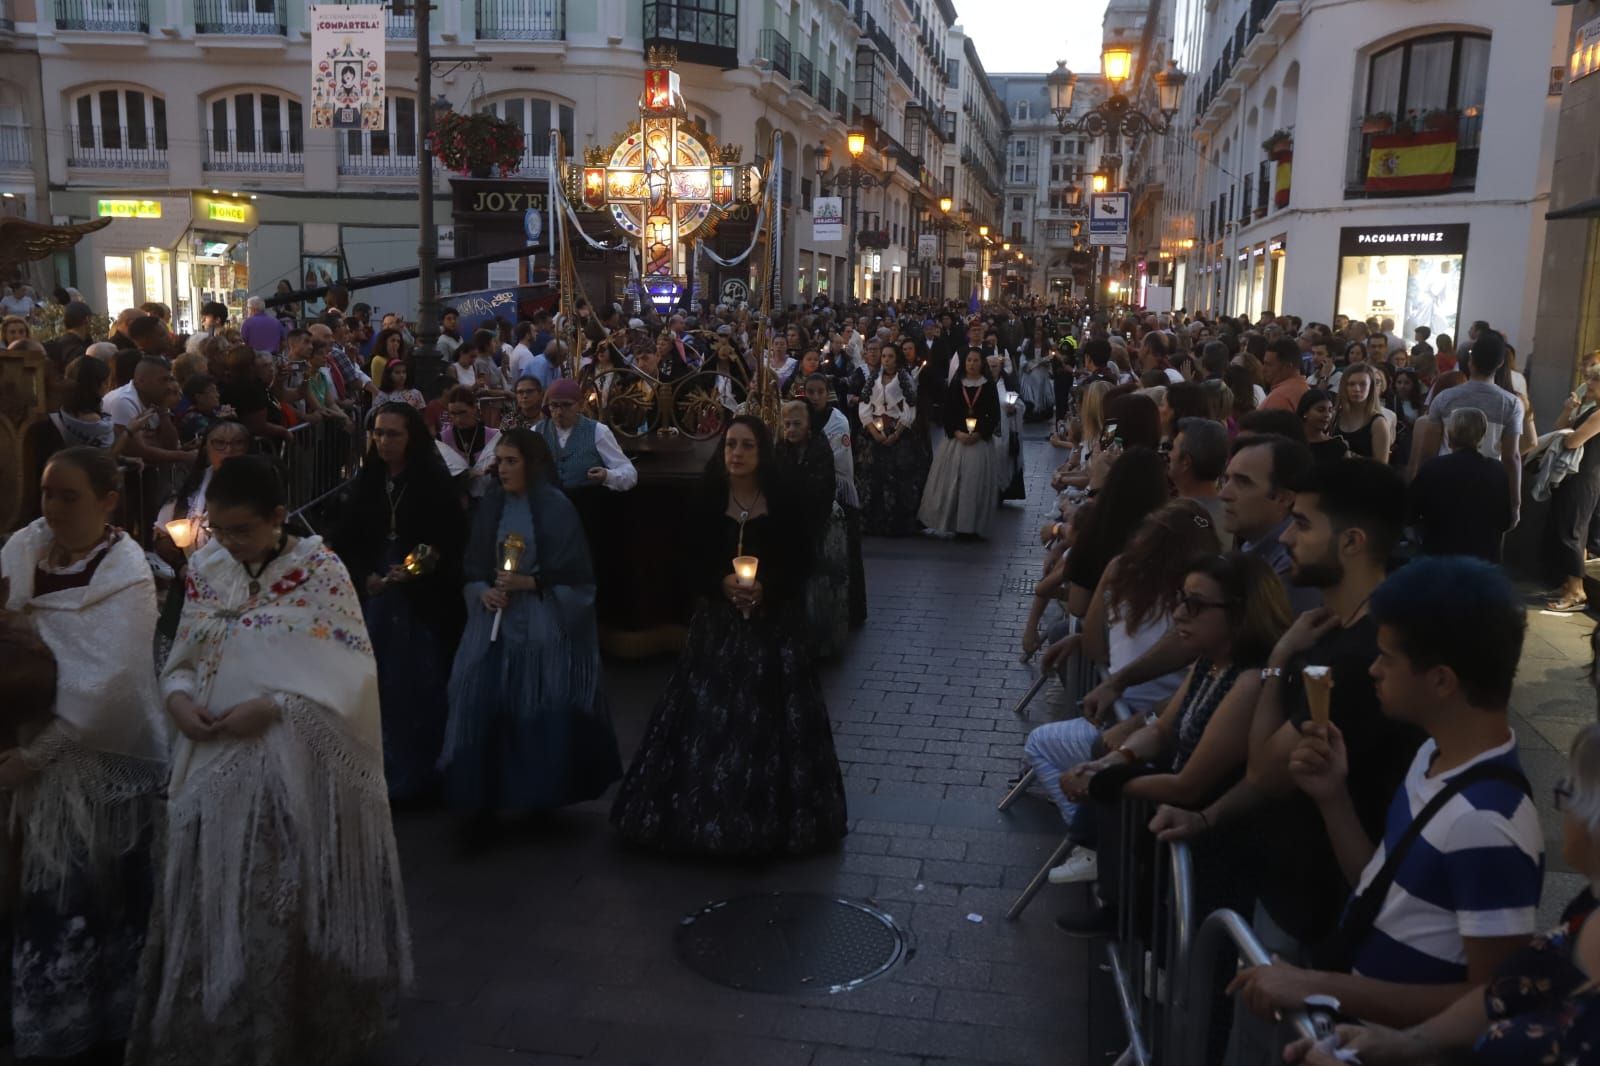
x: 1453, y: 886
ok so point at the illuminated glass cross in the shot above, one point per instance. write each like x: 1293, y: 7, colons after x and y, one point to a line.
x: 664, y: 181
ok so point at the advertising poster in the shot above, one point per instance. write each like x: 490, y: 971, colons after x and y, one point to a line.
x: 347, y: 76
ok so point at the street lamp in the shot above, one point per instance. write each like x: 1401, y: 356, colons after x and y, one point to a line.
x: 1118, y: 114
x: 1100, y: 182
x: 945, y: 204
x: 854, y: 177
x: 1005, y: 246
x: 983, y: 231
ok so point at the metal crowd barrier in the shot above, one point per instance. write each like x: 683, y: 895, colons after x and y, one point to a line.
x: 1223, y: 929
x: 318, y: 460
x: 1164, y: 971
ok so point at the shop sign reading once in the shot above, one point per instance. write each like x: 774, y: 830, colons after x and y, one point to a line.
x: 128, y: 209
x: 222, y: 212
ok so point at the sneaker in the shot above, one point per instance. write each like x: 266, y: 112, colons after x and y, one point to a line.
x: 1082, y: 865
x: 1101, y: 921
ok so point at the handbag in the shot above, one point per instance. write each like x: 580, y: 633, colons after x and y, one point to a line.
x: 1337, y: 952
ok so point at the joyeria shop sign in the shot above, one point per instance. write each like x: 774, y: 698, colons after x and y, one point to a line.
x: 488, y: 198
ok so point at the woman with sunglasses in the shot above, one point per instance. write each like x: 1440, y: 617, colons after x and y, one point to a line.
x: 1130, y: 611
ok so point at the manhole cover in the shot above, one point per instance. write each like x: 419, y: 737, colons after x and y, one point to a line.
x: 785, y: 942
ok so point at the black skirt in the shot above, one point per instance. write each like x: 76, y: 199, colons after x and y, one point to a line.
x: 738, y: 757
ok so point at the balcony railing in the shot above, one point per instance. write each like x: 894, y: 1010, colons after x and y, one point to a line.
x: 1464, y: 178
x: 703, y: 31
x: 841, y: 104
x: 14, y: 148
x: 245, y: 18
x: 904, y: 70
x: 824, y: 92
x: 117, y: 148
x: 103, y: 16
x: 402, y: 27
x: 267, y: 151
x: 804, y: 76
x: 775, y: 50
x: 522, y: 20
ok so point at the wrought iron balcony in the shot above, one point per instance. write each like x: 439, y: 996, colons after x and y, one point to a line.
x: 103, y: 16
x: 824, y: 92
x: 402, y: 27
x: 117, y: 148
x: 703, y: 31
x: 1468, y: 128
x: 804, y: 76
x: 522, y: 20
x: 775, y: 50
x: 15, y: 151
x: 246, y: 18
x: 265, y: 151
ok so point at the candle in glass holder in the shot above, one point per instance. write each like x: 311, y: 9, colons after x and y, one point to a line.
x: 182, y: 531
x: 744, y: 569
x: 972, y: 425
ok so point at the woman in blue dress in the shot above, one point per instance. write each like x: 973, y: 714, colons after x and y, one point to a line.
x: 529, y: 728
x: 405, y: 501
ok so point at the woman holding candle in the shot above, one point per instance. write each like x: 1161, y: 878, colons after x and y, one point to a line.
x: 528, y: 727
x: 84, y: 772
x: 960, y: 494
x: 279, y: 934
x: 738, y: 757
x: 890, y: 471
x: 401, y: 542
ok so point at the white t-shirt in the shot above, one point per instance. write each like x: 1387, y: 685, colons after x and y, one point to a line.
x: 122, y: 405
x: 519, y: 359
x: 17, y: 305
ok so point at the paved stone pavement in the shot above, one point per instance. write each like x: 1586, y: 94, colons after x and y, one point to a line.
x: 557, y: 946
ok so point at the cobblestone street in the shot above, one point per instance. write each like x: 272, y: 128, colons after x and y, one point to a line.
x: 557, y: 946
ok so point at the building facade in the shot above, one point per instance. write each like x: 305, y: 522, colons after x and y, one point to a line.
x: 186, y: 123
x: 1046, y: 185
x: 972, y: 168
x: 1403, y: 173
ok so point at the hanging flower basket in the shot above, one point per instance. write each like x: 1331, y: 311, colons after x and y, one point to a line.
x: 476, y: 144
x: 1279, y: 146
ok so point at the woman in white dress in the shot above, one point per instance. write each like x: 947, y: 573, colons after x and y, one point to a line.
x: 86, y: 777
x: 279, y: 934
x: 960, y: 496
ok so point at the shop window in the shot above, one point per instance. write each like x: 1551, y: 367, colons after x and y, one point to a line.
x: 1419, y: 118
x: 125, y: 128
x: 1411, y: 274
x: 255, y: 132
x: 532, y: 115
x: 391, y: 150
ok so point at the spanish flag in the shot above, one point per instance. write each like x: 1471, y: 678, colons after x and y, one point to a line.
x: 1412, y: 162
x: 1285, y: 177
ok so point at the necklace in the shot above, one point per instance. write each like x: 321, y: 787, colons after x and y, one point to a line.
x: 744, y: 508
x: 394, y: 507
x: 473, y: 444
x: 1345, y: 623
x: 255, y: 575
x: 971, y: 396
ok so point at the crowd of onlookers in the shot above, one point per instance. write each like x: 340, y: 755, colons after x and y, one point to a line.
x: 1277, y: 549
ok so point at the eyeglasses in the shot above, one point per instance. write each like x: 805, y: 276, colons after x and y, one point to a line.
x: 1194, y: 605
x: 1563, y: 792
x: 228, y: 532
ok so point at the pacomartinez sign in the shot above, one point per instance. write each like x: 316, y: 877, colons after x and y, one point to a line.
x: 1404, y: 240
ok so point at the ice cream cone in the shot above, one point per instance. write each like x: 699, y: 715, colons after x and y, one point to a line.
x: 1319, y: 692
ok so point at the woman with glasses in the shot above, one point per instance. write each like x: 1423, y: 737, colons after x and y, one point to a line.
x: 1543, y: 1003
x: 528, y: 409
x: 1131, y: 610
x: 84, y: 778
x: 401, y: 541
x: 278, y: 934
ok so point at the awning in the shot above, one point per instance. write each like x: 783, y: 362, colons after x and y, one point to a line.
x: 1584, y: 209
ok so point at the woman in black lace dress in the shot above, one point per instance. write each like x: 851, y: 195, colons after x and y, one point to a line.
x: 738, y: 757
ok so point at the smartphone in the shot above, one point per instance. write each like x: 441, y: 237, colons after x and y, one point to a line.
x: 1061, y: 428
x: 1110, y: 436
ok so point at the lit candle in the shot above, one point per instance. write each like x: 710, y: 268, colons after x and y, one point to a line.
x: 972, y: 425
x: 744, y: 568
x: 510, y: 558
x: 182, y: 531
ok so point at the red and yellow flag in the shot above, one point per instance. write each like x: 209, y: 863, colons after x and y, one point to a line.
x: 1412, y: 162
